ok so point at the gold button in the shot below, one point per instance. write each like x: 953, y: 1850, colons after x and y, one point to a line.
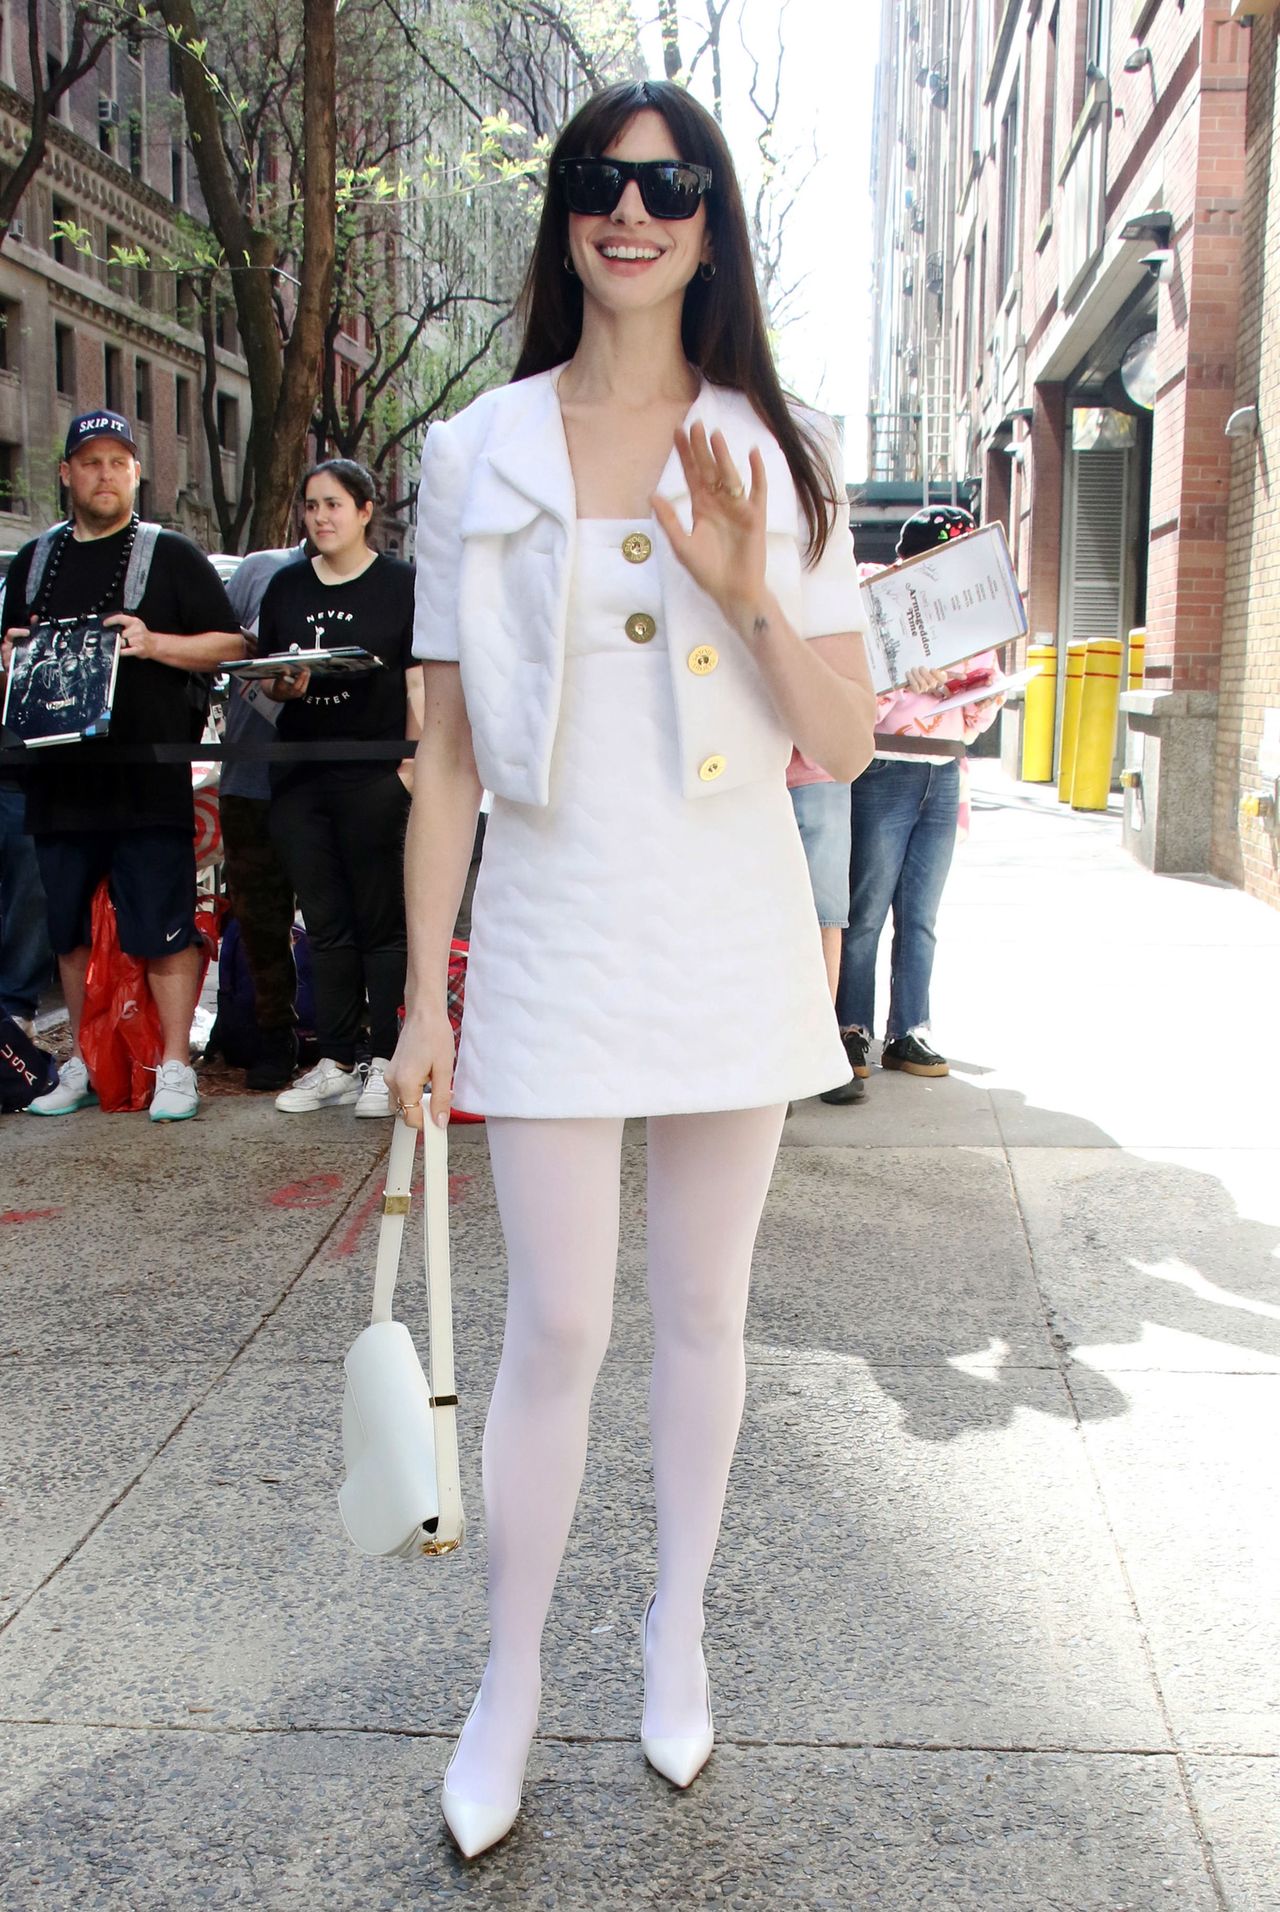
x: 641, y: 628
x: 711, y: 769
x: 636, y: 547
x: 703, y: 660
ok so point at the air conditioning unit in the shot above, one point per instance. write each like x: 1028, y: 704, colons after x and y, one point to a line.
x: 108, y: 112
x: 17, y: 229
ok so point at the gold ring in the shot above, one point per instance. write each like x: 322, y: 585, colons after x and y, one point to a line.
x: 403, y: 1107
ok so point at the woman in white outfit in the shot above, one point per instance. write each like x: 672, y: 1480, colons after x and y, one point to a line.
x: 635, y: 590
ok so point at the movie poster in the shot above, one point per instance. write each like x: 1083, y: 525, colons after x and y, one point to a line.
x: 61, y: 683
x: 946, y: 604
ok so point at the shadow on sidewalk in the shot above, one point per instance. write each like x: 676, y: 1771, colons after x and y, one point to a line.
x: 1000, y: 1264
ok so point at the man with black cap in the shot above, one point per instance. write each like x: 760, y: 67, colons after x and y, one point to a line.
x: 131, y: 823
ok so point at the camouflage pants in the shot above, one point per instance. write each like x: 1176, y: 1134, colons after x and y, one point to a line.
x: 261, y: 897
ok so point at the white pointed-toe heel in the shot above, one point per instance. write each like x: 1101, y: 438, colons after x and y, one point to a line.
x: 475, y: 1825
x: 679, y: 1759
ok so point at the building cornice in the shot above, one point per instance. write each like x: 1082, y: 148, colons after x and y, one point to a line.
x: 94, y: 178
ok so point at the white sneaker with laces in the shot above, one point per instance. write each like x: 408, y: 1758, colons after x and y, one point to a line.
x: 375, y: 1097
x: 176, y: 1098
x: 327, y: 1086
x: 73, y: 1091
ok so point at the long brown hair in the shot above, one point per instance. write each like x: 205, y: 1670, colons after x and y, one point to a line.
x: 723, y: 324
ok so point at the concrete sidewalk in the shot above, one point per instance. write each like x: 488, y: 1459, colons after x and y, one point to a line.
x: 994, y: 1623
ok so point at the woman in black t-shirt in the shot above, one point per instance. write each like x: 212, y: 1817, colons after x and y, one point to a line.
x: 339, y: 826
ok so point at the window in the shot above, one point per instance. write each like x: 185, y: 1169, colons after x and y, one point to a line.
x: 1049, y: 155
x: 178, y: 174
x: 112, y: 377
x: 135, y: 145
x: 175, y: 70
x: 10, y: 334
x: 117, y: 275
x: 11, y: 492
x: 106, y: 129
x: 64, y: 360
x: 1009, y: 190
x: 144, y: 287
x: 144, y: 499
x: 1098, y: 34
x: 982, y: 309
x: 228, y: 336
x: 62, y: 213
x: 182, y: 405
x: 133, y: 40
x: 142, y: 391
x: 966, y: 319
x: 185, y: 296
x: 228, y: 421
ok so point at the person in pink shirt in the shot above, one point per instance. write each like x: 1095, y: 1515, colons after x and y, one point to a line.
x: 903, y: 812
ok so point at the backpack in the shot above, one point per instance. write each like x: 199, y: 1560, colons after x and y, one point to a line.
x: 26, y: 1070
x: 235, y: 1035
x: 135, y: 586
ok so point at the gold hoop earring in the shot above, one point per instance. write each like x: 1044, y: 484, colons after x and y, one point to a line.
x: 707, y: 270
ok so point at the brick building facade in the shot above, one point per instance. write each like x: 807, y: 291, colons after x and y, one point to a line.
x: 1247, y: 849
x: 1092, y: 155
x: 76, y: 329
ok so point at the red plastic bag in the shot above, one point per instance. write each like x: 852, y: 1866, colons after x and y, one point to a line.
x: 120, y: 1032
x: 120, y: 1036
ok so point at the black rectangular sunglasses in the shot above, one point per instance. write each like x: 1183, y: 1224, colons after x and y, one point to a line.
x: 669, y: 188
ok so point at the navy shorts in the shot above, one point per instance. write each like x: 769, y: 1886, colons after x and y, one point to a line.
x: 824, y: 816
x: 153, y: 887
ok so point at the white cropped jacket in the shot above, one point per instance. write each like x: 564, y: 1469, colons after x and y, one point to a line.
x: 495, y: 548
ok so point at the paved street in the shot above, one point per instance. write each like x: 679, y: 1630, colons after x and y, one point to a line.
x: 995, y: 1622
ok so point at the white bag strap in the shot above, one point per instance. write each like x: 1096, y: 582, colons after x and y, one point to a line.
x: 395, y: 1207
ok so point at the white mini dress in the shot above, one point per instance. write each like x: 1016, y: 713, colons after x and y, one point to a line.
x: 635, y: 952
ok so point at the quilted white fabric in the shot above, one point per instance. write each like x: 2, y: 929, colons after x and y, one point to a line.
x: 634, y: 952
x: 497, y: 528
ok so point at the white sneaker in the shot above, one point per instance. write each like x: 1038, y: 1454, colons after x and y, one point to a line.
x: 73, y: 1091
x: 176, y: 1098
x: 375, y: 1097
x: 327, y: 1086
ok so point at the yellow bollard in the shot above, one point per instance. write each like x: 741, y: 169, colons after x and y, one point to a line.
x: 1096, y: 731
x: 1137, y: 657
x: 1071, y: 689
x: 1038, y: 710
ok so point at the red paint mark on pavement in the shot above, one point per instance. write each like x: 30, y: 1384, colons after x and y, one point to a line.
x: 314, y: 1191
x: 29, y: 1214
x: 349, y: 1240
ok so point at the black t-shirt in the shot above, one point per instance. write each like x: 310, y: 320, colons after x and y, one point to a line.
x: 153, y: 702
x: 375, y: 611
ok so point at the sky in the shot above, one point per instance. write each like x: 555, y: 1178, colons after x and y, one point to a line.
x: 828, y: 81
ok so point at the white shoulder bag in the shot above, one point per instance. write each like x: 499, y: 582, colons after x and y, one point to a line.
x: 402, y: 1496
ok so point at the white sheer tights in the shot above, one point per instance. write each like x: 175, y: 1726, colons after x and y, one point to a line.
x: 558, y: 1197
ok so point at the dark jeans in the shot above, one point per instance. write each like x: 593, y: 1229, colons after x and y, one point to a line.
x: 904, y: 831
x: 26, y: 960
x: 341, y: 840
x: 261, y: 896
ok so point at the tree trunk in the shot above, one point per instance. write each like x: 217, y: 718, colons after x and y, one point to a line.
x: 249, y: 251
x: 278, y: 474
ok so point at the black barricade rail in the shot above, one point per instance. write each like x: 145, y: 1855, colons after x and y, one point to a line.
x: 374, y: 750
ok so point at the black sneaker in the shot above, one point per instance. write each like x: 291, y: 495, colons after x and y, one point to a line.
x: 856, y: 1046
x: 913, y: 1057
x: 275, y: 1063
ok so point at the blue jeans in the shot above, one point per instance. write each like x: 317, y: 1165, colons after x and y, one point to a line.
x: 25, y: 957
x: 904, y: 831
x: 822, y: 814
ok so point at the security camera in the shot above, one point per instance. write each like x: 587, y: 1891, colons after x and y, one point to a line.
x: 1159, y: 264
